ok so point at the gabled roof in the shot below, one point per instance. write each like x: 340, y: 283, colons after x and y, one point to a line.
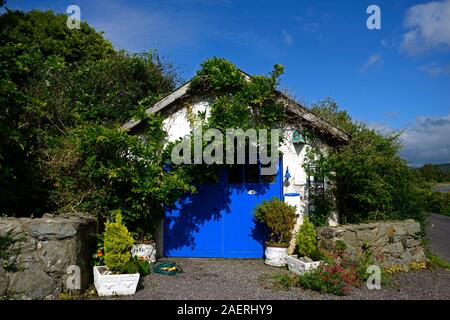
x: 292, y: 106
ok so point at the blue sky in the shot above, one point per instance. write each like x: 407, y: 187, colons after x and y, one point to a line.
x: 394, y: 78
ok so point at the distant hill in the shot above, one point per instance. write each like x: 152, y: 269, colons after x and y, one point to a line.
x: 444, y: 167
x: 435, y: 172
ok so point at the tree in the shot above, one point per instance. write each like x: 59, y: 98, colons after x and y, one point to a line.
x: 63, y: 95
x: 370, y: 180
x: 29, y: 41
x: 433, y: 173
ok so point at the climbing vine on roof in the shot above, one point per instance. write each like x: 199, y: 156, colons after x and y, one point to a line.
x: 240, y: 101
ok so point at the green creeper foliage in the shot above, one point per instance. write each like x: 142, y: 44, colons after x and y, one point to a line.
x: 239, y: 102
x: 117, y: 244
x: 306, y: 239
x: 279, y: 218
x: 217, y: 75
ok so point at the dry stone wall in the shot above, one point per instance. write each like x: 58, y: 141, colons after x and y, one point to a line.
x: 46, y: 247
x: 395, y: 242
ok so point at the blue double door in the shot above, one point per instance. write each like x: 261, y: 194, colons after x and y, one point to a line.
x: 218, y: 220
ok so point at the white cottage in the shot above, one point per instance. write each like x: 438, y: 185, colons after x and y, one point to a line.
x: 218, y: 221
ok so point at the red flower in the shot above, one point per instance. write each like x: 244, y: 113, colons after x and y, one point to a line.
x: 99, y: 253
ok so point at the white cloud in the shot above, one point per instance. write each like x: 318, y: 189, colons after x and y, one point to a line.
x: 374, y: 60
x: 428, y: 27
x: 435, y: 69
x: 427, y: 140
x: 287, y: 38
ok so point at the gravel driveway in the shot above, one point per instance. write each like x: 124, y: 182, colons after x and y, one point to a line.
x: 207, y: 279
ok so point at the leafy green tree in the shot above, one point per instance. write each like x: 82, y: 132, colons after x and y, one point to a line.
x: 27, y: 42
x: 63, y: 95
x: 370, y: 180
x: 433, y: 173
x: 36, y: 35
x: 329, y: 110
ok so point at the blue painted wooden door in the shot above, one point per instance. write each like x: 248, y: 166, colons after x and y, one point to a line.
x: 217, y: 221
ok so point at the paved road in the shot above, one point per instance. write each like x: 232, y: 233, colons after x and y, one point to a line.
x: 438, y: 232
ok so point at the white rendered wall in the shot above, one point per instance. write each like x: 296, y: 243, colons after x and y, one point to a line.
x: 293, y: 159
x: 177, y: 124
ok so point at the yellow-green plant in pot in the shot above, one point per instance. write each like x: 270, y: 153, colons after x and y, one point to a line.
x: 112, y: 279
x: 306, y: 241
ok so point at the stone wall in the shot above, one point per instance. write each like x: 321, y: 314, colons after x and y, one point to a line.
x: 46, y: 248
x: 396, y: 242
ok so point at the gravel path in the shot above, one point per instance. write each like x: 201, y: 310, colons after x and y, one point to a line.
x: 205, y: 279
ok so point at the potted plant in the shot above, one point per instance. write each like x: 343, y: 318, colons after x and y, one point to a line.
x: 279, y: 218
x: 121, y: 272
x: 144, y: 248
x: 306, y: 240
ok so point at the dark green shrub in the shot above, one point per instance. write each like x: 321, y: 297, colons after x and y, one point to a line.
x: 55, y: 83
x: 279, y: 218
x: 340, y: 247
x: 136, y: 265
x: 438, y: 202
x: 323, y: 207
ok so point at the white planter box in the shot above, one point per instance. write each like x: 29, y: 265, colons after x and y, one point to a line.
x: 297, y: 266
x: 276, y: 256
x: 114, y: 284
x: 145, y: 250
